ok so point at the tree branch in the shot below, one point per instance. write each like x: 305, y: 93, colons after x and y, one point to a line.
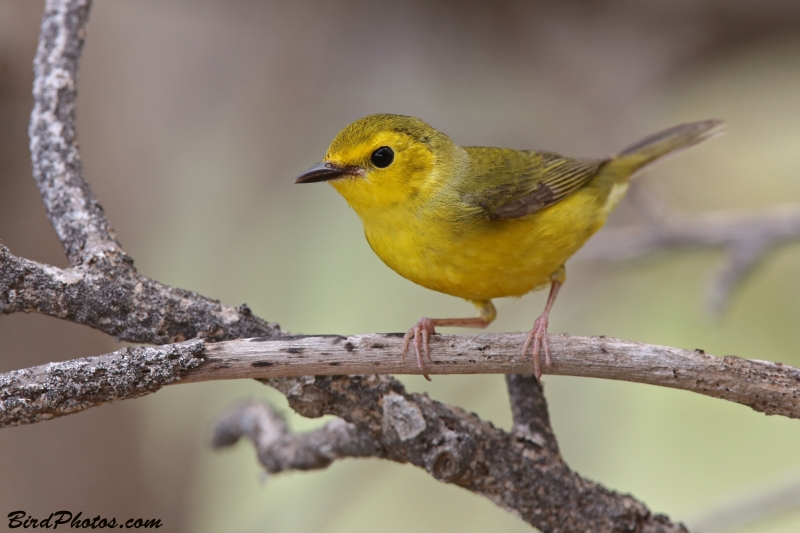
x: 454, y: 446
x: 58, y: 389
x: 749, y: 509
x: 115, y: 299
x: 103, y: 289
x: 529, y: 411
x: 771, y: 388
x: 515, y: 471
x: 748, y: 238
x: 71, y: 205
x: 279, y: 450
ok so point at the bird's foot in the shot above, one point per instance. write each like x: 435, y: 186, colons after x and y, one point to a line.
x: 420, y: 333
x: 538, y: 337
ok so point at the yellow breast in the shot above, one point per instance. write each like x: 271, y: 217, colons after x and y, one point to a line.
x: 484, y: 259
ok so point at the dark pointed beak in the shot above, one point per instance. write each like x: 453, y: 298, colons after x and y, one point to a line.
x: 322, y: 172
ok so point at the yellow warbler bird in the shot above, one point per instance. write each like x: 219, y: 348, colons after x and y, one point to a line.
x: 479, y: 223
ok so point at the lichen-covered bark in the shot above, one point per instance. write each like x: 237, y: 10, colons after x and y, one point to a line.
x: 279, y: 450
x: 524, y: 475
x: 71, y: 205
x: 117, y: 300
x: 58, y: 389
x: 529, y: 411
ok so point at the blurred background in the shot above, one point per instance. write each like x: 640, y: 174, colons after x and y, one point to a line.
x: 195, y: 117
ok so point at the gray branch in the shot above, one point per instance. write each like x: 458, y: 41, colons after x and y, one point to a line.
x: 71, y: 205
x: 58, y: 389
x: 117, y: 300
x: 102, y: 289
x: 771, y: 388
x: 279, y: 450
x: 515, y: 472
x: 529, y: 411
x: 748, y: 239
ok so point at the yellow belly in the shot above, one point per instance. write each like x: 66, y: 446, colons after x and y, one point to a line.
x: 486, y: 259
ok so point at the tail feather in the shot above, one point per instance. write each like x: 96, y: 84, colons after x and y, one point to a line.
x: 669, y: 141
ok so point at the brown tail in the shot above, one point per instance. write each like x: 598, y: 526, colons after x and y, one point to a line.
x: 668, y: 141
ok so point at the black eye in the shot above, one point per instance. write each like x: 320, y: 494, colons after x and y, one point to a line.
x: 382, y: 157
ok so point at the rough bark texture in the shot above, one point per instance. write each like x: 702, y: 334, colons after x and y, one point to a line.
x: 771, y: 388
x: 117, y: 300
x: 520, y: 474
x: 529, y: 411
x: 58, y: 389
x: 279, y: 450
x: 71, y: 205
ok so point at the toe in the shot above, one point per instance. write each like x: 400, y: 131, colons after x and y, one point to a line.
x: 546, y: 350
x: 420, y: 334
x: 406, y: 340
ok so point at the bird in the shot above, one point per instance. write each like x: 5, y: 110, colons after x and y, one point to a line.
x: 480, y: 223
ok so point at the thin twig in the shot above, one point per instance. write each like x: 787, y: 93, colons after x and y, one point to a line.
x: 748, y: 238
x: 279, y: 450
x: 749, y: 509
x: 669, y: 230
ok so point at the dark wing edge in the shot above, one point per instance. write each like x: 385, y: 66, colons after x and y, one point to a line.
x: 558, y: 178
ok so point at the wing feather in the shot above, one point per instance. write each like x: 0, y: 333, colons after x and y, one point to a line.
x: 513, y: 184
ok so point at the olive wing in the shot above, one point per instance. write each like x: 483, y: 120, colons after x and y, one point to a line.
x: 515, y: 183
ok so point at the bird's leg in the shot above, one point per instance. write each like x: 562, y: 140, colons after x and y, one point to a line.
x: 538, y: 334
x: 427, y: 326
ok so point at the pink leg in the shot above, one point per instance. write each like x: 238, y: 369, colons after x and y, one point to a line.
x: 538, y: 335
x: 425, y: 327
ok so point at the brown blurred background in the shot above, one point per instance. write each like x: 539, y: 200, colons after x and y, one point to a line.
x: 194, y: 118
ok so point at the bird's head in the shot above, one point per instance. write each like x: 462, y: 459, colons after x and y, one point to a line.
x: 384, y: 160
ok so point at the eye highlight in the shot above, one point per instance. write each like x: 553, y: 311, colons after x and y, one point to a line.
x: 382, y: 157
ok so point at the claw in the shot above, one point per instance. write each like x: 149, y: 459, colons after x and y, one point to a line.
x: 425, y: 327
x: 425, y: 349
x: 420, y: 333
x: 538, y: 334
x: 538, y: 337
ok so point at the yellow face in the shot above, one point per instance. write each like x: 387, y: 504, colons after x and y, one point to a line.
x: 383, y: 160
x: 390, y: 167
